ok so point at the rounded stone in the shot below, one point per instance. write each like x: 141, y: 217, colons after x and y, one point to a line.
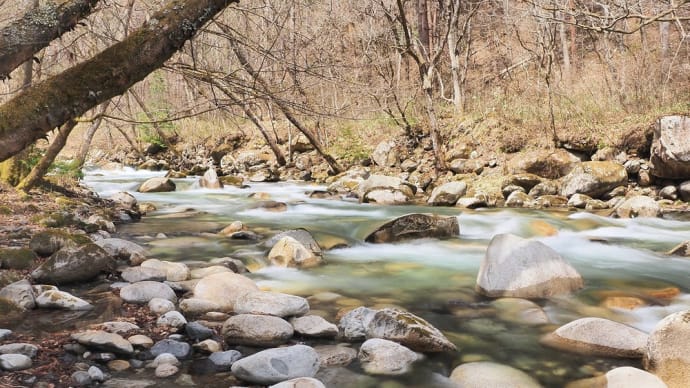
x: 598, y: 337
x: 14, y: 362
x: 666, y: 354
x: 383, y: 357
x: 279, y: 364
x: 488, y: 374
x: 143, y: 292
x: 161, y: 306
x: 81, y: 378
x: 181, y: 350
x: 140, y: 341
x: 166, y: 370
x: 223, y: 361
x: 314, y: 326
x: 256, y: 330
x: 173, y: 319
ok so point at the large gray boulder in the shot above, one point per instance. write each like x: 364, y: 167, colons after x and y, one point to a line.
x: 224, y: 289
x: 447, y: 194
x: 413, y: 226
x: 353, y: 325
x: 256, y: 330
x: 598, y: 337
x: 101, y: 340
x: 275, y: 365
x: 521, y: 268
x: 490, y: 374
x: 289, y: 252
x: 73, y: 265
x: 385, y: 154
x: 638, y: 206
x: 303, y: 236
x: 157, y: 185
x: 314, y: 326
x: 19, y: 294
x: 144, y: 292
x: 409, y: 330
x: 594, y: 179
x: 670, y: 152
x: 666, y: 354
x: 551, y: 164
x: 383, y: 357
x: 123, y: 249
x: 271, y: 303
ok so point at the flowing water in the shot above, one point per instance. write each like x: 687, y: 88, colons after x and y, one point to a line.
x: 431, y: 278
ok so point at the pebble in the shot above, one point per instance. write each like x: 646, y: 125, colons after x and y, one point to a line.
x: 81, y: 378
x: 28, y: 350
x: 96, y: 373
x: 208, y: 346
x: 161, y: 306
x: 197, y: 331
x: 164, y: 358
x: 173, y: 319
x: 14, y: 362
x: 4, y: 333
x: 166, y: 370
x: 181, y: 350
x: 223, y: 361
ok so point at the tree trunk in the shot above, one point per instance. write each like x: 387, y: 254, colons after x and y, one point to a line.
x: 80, y: 159
x: 285, y: 109
x: 39, y: 171
x: 454, y: 55
x: 21, y: 39
x: 37, y: 110
x: 439, y: 153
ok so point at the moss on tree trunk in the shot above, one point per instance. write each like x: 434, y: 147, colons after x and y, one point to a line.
x: 51, y: 103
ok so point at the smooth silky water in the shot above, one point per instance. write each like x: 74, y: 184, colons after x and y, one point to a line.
x: 431, y: 278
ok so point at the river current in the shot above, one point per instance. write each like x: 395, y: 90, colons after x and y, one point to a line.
x: 431, y: 278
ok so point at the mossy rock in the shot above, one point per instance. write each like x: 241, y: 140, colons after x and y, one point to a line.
x: 74, y: 265
x: 5, y: 210
x: 60, y: 219
x: 22, y: 258
x: 50, y: 241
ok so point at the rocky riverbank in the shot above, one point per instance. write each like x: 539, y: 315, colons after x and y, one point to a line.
x: 144, y: 320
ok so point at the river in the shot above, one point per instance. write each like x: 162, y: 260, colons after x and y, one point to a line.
x: 431, y: 278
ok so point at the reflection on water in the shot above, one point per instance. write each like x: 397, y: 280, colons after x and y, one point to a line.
x: 434, y: 279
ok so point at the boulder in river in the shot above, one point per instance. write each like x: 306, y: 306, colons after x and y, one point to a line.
x: 144, y: 292
x: 621, y: 377
x: 353, y: 325
x: 275, y: 365
x: 224, y: 289
x: 670, y: 151
x: 55, y: 299
x: 19, y: 294
x: 130, y: 251
x: 101, y: 340
x: 288, y: 252
x: 302, y: 235
x: 157, y: 185
x: 598, y: 337
x: 409, y: 330
x: 383, y: 357
x: 490, y: 374
x: 271, y: 303
x: 594, y: 179
x: 666, y: 354
x: 314, y: 326
x: 256, y: 330
x: 210, y: 180
x: 521, y: 268
x: 174, y: 272
x: 73, y: 265
x: 412, y: 226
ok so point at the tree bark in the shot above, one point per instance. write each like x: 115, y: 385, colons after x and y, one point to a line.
x: 39, y: 109
x: 80, y: 159
x: 21, y: 39
x: 284, y: 108
x: 39, y: 171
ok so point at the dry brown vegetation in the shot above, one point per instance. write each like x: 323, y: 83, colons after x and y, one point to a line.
x: 525, y: 74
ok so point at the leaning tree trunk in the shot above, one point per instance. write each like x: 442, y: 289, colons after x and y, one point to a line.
x: 24, y: 37
x: 287, y: 112
x: 86, y: 141
x: 37, y: 110
x: 39, y: 171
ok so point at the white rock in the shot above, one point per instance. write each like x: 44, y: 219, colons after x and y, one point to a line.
x: 14, y: 362
x: 175, y: 272
x: 199, y: 273
x: 224, y: 289
x: 160, y: 306
x: 667, y: 353
x: 173, y: 319
x: 143, y: 292
x: 598, y: 337
x: 271, y: 303
x: 314, y: 326
x: 256, y: 330
x: 54, y: 299
x: 488, y: 374
x: 383, y: 357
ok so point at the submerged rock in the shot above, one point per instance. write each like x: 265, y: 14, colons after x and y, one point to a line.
x: 413, y: 226
x: 485, y: 374
x: 383, y: 357
x: 74, y: 265
x: 598, y: 337
x: 275, y: 365
x: 521, y: 268
x: 666, y: 354
x: 622, y: 377
x: 409, y: 330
